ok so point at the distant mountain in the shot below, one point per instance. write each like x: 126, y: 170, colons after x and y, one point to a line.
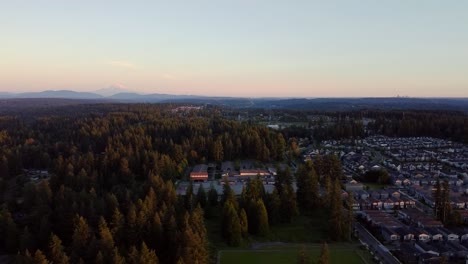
x: 126, y: 96
x: 58, y: 94
x: 6, y: 95
x: 112, y: 90
x: 152, y: 98
x: 328, y: 104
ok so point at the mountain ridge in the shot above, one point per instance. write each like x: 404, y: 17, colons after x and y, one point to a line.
x: 332, y: 104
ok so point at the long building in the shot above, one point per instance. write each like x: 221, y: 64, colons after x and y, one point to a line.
x: 199, y: 173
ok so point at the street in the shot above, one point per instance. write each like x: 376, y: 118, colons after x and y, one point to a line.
x: 374, y: 245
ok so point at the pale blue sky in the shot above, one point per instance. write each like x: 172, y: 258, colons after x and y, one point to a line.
x: 237, y: 48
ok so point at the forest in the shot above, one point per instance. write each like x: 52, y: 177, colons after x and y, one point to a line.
x: 109, y: 194
x: 451, y: 125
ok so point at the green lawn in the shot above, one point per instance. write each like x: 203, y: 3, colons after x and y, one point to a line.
x: 303, y: 229
x: 283, y: 255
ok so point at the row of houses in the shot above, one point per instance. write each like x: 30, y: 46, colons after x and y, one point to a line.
x: 380, y: 200
x: 406, y: 142
x: 433, y: 252
x: 427, y: 229
x: 458, y: 197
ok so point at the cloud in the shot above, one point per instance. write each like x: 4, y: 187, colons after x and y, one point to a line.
x: 122, y: 64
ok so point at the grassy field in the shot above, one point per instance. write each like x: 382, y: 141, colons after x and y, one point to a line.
x: 308, y: 229
x: 303, y: 229
x: 283, y: 255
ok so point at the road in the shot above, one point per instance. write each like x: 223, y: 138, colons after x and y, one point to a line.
x: 420, y: 206
x: 374, y: 245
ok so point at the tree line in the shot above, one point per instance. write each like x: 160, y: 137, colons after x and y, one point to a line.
x: 110, y: 197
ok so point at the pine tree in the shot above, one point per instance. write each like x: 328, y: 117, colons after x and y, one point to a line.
x: 40, y: 258
x: 288, y: 206
x: 273, y: 204
x: 324, y: 255
x: 327, y: 197
x: 228, y: 195
x: 263, y: 226
x: 26, y: 240
x: 131, y: 228
x: 231, y: 225
x: 80, y: 237
x: 349, y: 217
x: 4, y: 170
x: 437, y: 196
x: 147, y: 256
x: 445, y: 203
x: 188, y: 198
x: 244, y: 223
x: 303, y: 256
x: 117, y: 258
x: 99, y: 258
x: 336, y: 215
x: 133, y: 256
x: 194, y: 247
x: 213, y: 196
x: 106, y: 240
x: 117, y: 225
x: 218, y: 152
x: 307, y: 187
x: 201, y: 197
x: 57, y: 254
x: 9, y: 230
x: 156, y: 232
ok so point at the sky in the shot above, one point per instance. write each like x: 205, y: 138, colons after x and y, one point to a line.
x: 249, y: 48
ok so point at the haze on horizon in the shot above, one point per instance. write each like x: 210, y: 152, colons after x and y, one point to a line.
x: 237, y: 48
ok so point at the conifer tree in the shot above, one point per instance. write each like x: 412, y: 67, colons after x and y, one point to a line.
x: 147, y: 256
x: 188, y: 198
x: 201, y: 197
x: 133, y: 256
x: 349, y: 217
x: 213, y: 196
x: 445, y: 202
x: 106, y: 240
x: 9, y: 231
x: 117, y: 258
x: 57, y: 254
x: 117, y: 225
x: 324, y: 254
x: 336, y: 215
x: 40, y: 258
x: 244, y: 223
x: 303, y: 256
x: 80, y: 237
x: 26, y: 240
x: 263, y: 225
x: 99, y: 258
x: 231, y: 225
x: 307, y: 187
x: 273, y: 205
x: 437, y: 196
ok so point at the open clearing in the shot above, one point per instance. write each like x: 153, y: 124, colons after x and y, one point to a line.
x: 288, y: 254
